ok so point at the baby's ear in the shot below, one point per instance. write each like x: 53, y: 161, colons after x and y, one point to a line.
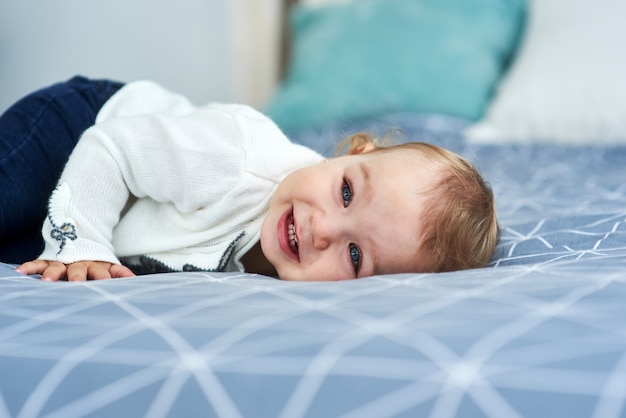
x: 362, y: 148
x: 359, y: 143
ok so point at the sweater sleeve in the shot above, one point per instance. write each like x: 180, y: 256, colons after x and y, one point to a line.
x: 167, y: 158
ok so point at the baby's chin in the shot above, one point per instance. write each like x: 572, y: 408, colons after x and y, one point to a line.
x: 304, y: 277
x: 285, y: 276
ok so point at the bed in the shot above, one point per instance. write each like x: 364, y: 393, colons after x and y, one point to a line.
x: 538, y: 332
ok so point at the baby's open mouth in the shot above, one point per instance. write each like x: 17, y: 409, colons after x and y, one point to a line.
x: 287, y: 235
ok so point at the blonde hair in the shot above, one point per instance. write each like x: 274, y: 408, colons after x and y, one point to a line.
x: 460, y: 226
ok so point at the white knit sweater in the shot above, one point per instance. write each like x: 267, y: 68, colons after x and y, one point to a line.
x: 164, y: 185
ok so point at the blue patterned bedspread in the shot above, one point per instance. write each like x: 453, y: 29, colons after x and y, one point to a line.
x: 540, y: 332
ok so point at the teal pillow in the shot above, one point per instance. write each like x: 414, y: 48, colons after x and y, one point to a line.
x: 368, y: 57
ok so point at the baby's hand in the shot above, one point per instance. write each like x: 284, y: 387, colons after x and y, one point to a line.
x: 79, y: 271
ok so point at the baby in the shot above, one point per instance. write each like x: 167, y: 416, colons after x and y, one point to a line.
x: 157, y: 185
x: 408, y: 208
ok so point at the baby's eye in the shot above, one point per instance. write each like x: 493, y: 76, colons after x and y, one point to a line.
x: 346, y: 193
x: 355, y: 257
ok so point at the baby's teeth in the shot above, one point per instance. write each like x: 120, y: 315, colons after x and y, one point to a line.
x: 293, y: 239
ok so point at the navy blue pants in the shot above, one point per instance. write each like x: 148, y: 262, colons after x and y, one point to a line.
x: 37, y: 135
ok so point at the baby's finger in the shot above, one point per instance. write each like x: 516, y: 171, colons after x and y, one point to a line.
x: 119, y: 271
x: 32, y: 267
x: 99, y: 271
x: 77, y: 272
x: 54, y: 271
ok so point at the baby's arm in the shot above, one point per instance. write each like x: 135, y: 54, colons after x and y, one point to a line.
x: 83, y: 211
x: 146, y: 156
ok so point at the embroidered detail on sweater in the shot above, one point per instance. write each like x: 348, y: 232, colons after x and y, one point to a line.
x: 150, y: 265
x: 63, y: 233
x: 63, y: 230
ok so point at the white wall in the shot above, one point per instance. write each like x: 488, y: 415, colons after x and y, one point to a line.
x: 199, y: 48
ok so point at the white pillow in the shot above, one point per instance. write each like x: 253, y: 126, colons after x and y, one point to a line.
x: 568, y: 81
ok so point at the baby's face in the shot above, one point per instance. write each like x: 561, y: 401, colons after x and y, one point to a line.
x: 350, y: 217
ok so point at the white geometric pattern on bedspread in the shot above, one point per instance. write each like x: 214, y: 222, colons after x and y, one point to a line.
x: 541, y: 332
x: 516, y: 341
x: 559, y: 203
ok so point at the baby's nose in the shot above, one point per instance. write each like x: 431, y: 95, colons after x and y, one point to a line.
x: 324, y: 229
